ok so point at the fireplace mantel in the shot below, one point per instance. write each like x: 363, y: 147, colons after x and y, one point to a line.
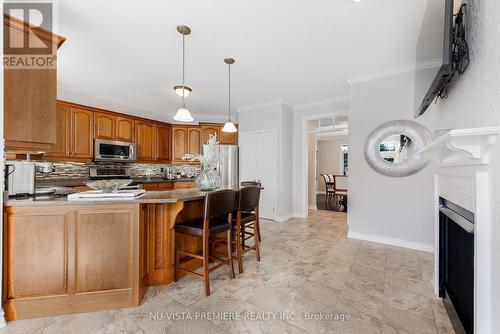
x: 462, y: 147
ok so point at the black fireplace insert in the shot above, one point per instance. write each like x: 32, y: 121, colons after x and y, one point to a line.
x: 456, y: 264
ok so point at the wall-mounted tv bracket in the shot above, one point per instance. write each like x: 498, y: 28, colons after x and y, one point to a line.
x: 460, y: 50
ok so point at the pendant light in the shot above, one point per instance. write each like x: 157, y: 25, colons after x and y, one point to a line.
x: 183, y: 114
x: 229, y: 126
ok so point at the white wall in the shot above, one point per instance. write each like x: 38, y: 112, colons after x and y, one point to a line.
x: 276, y: 116
x: 300, y: 114
x: 395, y: 208
x: 474, y: 101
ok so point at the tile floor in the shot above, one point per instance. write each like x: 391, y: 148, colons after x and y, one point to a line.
x: 307, y: 266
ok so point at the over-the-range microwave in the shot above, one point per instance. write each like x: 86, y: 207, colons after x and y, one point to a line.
x: 111, y: 150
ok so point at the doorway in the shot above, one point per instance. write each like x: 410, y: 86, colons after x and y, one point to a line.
x: 328, y: 167
x: 258, y: 161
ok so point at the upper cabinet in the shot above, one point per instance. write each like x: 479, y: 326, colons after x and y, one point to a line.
x: 82, y: 133
x: 208, y: 129
x: 185, y: 140
x: 74, y: 134
x: 112, y: 127
x: 104, y: 125
x: 163, y: 140
x: 125, y: 129
x: 30, y: 114
x: 215, y: 129
x: 145, y: 140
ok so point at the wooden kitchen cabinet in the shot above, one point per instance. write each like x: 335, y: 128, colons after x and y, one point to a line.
x: 194, y: 140
x: 163, y: 139
x: 208, y: 129
x: 179, y: 143
x: 62, y: 147
x: 104, y: 125
x: 82, y: 133
x: 69, y: 259
x: 125, y: 129
x: 29, y: 94
x: 145, y: 140
x: 185, y: 140
x: 74, y: 133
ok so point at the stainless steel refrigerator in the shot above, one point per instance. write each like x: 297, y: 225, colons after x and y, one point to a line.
x: 229, y: 166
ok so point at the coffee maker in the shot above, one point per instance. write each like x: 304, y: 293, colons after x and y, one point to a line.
x: 20, y: 176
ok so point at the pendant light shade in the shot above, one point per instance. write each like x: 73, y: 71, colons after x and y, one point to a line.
x: 229, y: 126
x: 182, y: 91
x: 183, y: 114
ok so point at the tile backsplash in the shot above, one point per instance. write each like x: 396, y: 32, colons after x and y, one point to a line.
x: 79, y: 170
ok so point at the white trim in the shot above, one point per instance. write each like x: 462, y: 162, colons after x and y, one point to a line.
x: 390, y: 241
x: 272, y: 103
x: 482, y: 256
x: 284, y: 218
x: 432, y: 63
x: 305, y: 166
x: 299, y: 215
x: 320, y: 103
x: 313, y: 207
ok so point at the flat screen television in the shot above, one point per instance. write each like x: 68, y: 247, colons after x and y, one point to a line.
x: 430, y: 82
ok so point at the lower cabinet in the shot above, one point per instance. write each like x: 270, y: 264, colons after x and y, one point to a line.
x: 67, y: 259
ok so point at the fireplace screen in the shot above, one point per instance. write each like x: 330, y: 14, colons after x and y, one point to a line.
x: 456, y: 264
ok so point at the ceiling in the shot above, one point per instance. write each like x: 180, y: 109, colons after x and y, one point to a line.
x: 126, y: 55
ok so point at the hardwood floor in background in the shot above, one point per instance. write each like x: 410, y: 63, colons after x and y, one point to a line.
x: 308, y: 265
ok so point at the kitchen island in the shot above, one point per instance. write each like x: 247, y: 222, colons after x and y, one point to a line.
x: 63, y: 256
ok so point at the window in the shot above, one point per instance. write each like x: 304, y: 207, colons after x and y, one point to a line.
x: 345, y: 158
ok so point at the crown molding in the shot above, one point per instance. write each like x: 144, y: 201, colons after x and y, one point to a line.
x: 272, y: 103
x: 432, y: 63
x: 320, y: 103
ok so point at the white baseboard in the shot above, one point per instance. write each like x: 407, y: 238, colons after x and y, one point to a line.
x: 390, y: 241
x: 313, y: 207
x: 284, y: 218
x: 302, y: 215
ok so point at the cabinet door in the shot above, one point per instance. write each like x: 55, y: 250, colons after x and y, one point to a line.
x: 124, y: 129
x: 194, y: 141
x: 179, y: 143
x: 163, y: 134
x: 229, y: 138
x: 146, y: 140
x: 104, y: 126
x: 61, y: 149
x: 82, y: 133
x: 39, y: 252
x: 206, y: 131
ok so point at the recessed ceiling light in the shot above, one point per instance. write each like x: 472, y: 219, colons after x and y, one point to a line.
x: 357, y: 0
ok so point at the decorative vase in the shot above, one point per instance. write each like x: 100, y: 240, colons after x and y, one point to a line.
x: 209, y: 179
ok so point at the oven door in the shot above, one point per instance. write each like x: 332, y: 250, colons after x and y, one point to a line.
x: 109, y: 150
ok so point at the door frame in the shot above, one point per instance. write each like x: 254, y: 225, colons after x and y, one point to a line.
x: 305, y: 168
x: 274, y: 133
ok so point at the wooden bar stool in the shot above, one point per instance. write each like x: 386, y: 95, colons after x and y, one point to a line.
x: 247, y: 217
x: 254, y: 184
x: 217, y: 218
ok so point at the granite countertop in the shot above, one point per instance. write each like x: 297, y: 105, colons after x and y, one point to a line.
x: 73, y: 182
x: 168, y: 196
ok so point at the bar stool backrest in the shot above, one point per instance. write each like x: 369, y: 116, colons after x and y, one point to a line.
x: 248, y: 198
x: 219, y: 203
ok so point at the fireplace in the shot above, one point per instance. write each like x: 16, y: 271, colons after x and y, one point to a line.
x: 456, y: 264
